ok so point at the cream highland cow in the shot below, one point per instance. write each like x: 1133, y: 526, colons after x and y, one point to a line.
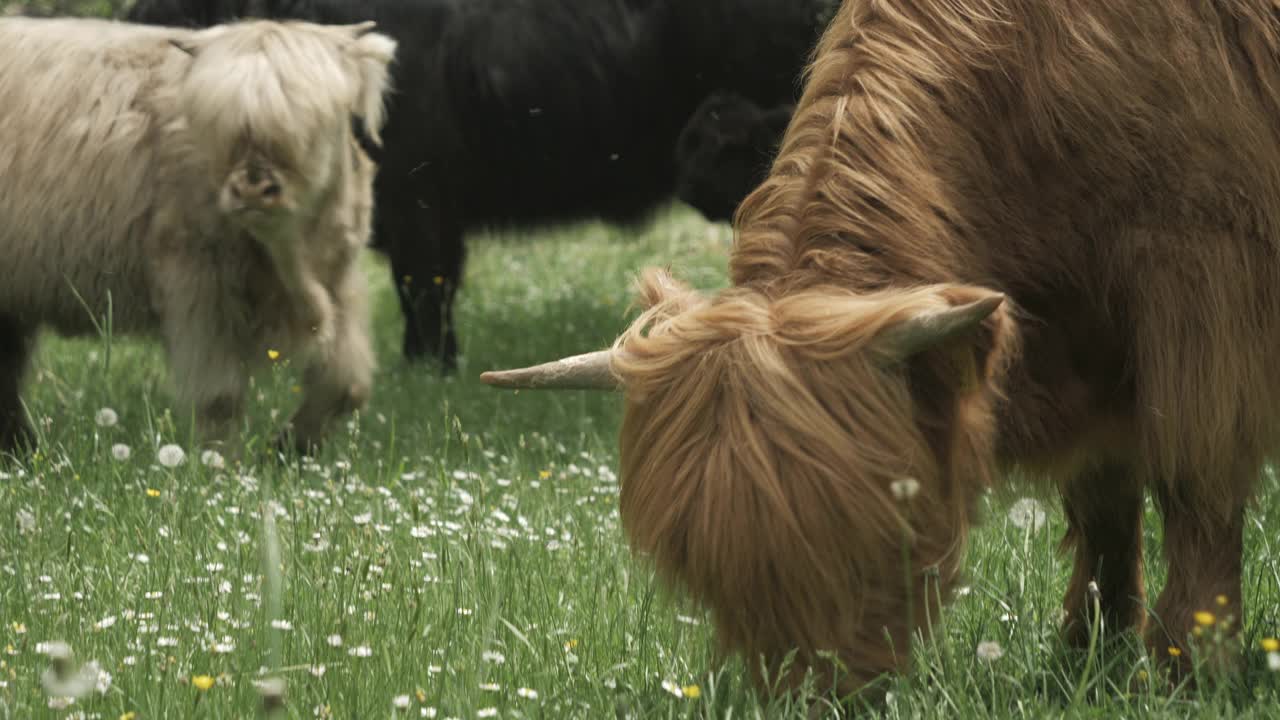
x: 207, y: 188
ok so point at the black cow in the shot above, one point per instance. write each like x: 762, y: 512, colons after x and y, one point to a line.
x: 521, y: 112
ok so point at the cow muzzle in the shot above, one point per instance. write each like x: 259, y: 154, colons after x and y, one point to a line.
x: 253, y: 188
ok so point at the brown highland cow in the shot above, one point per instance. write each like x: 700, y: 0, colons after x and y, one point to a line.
x: 999, y: 234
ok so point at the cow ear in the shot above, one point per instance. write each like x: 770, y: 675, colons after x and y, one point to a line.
x: 373, y: 53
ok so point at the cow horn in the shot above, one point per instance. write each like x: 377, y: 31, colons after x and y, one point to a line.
x: 927, y: 330
x: 590, y: 371
x: 361, y: 29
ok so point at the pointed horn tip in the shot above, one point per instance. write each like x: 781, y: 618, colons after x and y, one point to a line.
x: 987, y: 305
x: 497, y: 378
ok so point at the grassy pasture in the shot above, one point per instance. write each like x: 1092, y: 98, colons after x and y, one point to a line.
x: 456, y: 552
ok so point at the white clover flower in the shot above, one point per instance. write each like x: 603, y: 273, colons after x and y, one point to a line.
x: 400, y: 701
x: 990, y: 651
x: 171, y: 456
x: 1027, y: 514
x: 121, y: 452
x: 106, y: 417
x: 334, y: 640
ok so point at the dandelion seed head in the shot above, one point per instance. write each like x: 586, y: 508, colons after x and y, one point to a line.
x: 213, y: 459
x: 26, y: 521
x: 904, y: 488
x: 1027, y: 514
x: 106, y: 417
x: 989, y: 651
x: 171, y: 456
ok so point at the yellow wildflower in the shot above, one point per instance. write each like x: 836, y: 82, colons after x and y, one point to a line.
x: 152, y: 492
x: 692, y: 691
x: 1221, y: 600
x: 131, y: 715
x: 544, y: 474
x: 439, y: 279
x: 1204, y: 618
x: 1175, y: 651
x: 202, y: 682
x: 273, y: 354
x: 1270, y: 644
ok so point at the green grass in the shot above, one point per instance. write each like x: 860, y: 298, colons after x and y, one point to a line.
x: 469, y: 538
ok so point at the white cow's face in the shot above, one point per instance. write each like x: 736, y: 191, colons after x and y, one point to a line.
x: 265, y: 189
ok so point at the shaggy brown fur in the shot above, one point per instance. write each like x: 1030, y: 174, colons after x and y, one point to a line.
x: 1113, y: 168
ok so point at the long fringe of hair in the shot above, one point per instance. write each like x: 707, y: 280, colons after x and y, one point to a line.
x: 758, y: 483
x: 283, y: 86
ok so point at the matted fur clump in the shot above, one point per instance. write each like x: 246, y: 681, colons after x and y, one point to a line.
x: 206, y: 188
x: 999, y: 235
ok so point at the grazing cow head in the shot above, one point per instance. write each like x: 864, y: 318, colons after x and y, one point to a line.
x: 278, y: 110
x: 724, y: 152
x: 769, y: 438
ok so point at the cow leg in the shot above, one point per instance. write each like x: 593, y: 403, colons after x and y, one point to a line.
x: 1104, y: 506
x: 16, y: 345
x: 1204, y: 549
x: 337, y: 383
x: 427, y: 272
